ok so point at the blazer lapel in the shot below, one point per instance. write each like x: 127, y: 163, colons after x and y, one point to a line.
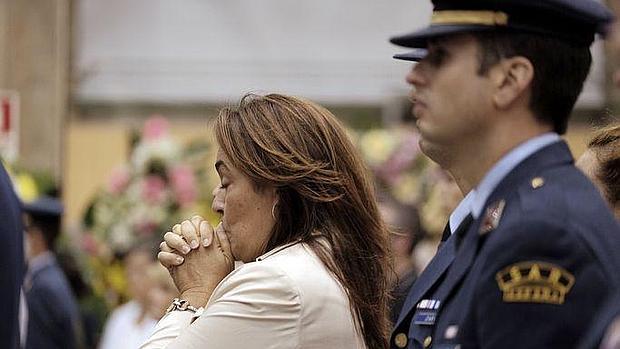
x: 462, y: 262
x: 433, y: 272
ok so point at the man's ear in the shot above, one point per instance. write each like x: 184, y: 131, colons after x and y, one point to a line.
x: 512, y: 78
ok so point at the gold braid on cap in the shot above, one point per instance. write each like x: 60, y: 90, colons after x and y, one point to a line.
x: 489, y: 18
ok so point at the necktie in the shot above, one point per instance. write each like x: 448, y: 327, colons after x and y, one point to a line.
x: 446, y: 232
x: 462, y: 229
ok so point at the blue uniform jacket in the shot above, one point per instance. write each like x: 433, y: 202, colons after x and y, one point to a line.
x: 531, y: 272
x: 609, y: 313
x: 12, y: 264
x: 53, y: 315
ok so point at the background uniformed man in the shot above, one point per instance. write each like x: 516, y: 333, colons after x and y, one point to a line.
x: 53, y: 314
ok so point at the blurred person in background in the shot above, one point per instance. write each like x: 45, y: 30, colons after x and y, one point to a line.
x: 403, y: 222
x: 53, y: 314
x: 601, y: 163
x: 131, y: 324
x: 89, y: 306
x: 161, y: 291
x: 298, y: 208
x: 12, y: 263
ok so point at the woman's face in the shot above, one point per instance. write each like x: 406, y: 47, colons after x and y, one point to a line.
x: 246, y: 212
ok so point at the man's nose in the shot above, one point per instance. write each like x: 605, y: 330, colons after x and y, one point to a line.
x: 415, y: 77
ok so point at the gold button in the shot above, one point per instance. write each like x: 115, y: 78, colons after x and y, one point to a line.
x: 537, y: 182
x: 400, y: 340
x: 427, y: 341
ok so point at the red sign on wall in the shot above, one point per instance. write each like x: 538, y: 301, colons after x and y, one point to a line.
x: 9, y: 125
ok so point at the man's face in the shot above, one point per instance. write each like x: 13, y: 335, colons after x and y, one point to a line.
x: 451, y: 99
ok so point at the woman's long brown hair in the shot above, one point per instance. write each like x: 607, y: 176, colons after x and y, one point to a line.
x: 323, y: 187
x: 606, y: 146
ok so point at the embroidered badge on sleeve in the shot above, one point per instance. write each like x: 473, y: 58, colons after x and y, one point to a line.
x: 534, y: 282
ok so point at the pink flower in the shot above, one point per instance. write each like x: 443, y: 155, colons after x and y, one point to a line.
x: 89, y: 244
x: 118, y: 181
x: 153, y: 189
x: 155, y: 127
x: 145, y: 228
x: 401, y: 159
x: 183, y: 184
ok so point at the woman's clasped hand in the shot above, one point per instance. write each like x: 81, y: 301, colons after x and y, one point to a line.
x: 198, y: 258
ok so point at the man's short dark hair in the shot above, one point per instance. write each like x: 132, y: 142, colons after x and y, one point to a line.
x: 560, y: 69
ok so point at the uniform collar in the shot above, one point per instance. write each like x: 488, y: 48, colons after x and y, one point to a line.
x: 35, y: 265
x: 461, y: 211
x: 41, y: 261
x: 506, y: 164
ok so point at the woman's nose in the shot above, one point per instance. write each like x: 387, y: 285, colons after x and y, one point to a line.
x: 218, y: 200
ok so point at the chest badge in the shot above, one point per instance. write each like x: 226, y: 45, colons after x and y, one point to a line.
x: 492, y: 217
x: 426, y: 312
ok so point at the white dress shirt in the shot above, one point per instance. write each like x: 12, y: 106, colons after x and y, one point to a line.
x: 286, y: 299
x: 122, y: 330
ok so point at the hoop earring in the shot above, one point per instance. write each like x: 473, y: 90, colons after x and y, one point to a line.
x: 273, y: 211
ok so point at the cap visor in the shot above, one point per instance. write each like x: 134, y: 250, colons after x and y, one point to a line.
x: 414, y: 56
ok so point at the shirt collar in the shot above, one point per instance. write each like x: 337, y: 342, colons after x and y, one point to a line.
x: 40, y: 261
x: 461, y: 211
x: 482, y: 192
x: 276, y: 250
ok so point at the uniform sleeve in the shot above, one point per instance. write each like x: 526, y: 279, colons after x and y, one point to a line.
x: 540, y: 288
x: 256, y: 306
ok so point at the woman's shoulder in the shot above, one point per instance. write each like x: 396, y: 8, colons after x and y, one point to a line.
x: 295, y: 261
x: 290, y: 285
x: 298, y: 261
x: 293, y: 269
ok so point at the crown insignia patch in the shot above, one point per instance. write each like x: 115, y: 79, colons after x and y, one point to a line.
x: 534, y: 282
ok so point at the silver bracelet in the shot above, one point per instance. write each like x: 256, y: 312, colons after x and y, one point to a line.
x: 183, y: 305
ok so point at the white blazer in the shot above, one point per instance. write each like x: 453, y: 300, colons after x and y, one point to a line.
x: 285, y: 299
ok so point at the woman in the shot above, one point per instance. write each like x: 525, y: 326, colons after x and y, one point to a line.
x: 297, y: 207
x: 130, y: 324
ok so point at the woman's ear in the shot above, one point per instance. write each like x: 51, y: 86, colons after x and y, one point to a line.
x: 512, y: 78
x: 275, y: 192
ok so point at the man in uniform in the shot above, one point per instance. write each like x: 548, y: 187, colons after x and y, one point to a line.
x: 12, y: 264
x: 493, y: 89
x: 53, y: 314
